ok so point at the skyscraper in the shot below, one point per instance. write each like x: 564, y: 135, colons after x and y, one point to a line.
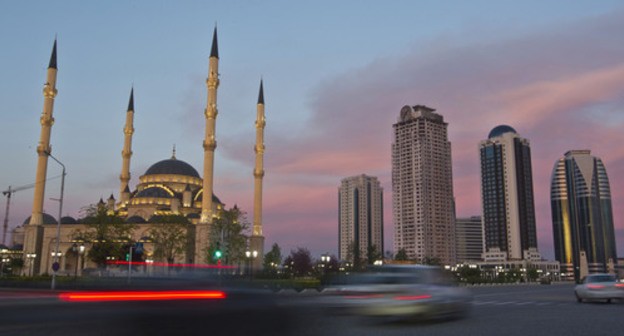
x: 469, y: 238
x: 582, y: 217
x: 507, y: 194
x: 422, y: 186
x: 360, y: 204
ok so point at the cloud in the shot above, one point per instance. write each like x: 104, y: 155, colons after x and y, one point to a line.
x: 561, y: 89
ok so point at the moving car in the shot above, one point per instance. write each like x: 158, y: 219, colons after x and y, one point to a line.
x: 599, y: 287
x: 402, y: 292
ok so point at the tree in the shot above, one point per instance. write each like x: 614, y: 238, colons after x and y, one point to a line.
x: 299, y: 262
x: 273, y: 259
x: 373, y: 254
x: 109, y: 236
x: 431, y: 261
x: 401, y: 255
x: 229, y: 234
x: 169, y: 236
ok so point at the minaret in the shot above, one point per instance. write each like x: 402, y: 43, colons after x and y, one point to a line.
x: 202, y: 229
x: 256, y: 242
x: 258, y: 172
x: 126, y: 153
x: 43, y: 148
x: 210, y: 143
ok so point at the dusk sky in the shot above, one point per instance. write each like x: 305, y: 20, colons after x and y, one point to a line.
x: 336, y: 74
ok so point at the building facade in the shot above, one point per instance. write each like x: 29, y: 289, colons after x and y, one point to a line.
x: 168, y: 187
x: 582, y: 215
x: 422, y: 186
x: 360, y: 224
x: 469, y: 238
x: 507, y: 194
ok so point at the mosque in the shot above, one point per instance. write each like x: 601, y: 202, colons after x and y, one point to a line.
x: 168, y: 187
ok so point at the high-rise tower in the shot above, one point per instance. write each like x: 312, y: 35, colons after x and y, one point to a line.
x: 256, y: 241
x: 507, y: 194
x: 43, y: 148
x: 582, y: 215
x: 126, y: 153
x: 360, y: 211
x: 422, y: 186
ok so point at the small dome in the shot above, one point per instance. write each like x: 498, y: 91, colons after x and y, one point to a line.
x: 68, y: 220
x: 47, y: 219
x: 136, y: 220
x: 500, y: 130
x: 172, y: 166
x: 215, y: 199
x: 155, y: 192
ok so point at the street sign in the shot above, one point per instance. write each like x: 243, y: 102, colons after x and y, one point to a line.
x: 56, y: 266
x: 138, y: 247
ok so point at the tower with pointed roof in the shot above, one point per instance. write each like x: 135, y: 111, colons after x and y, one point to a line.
x: 210, y: 142
x: 257, y: 240
x: 43, y: 147
x: 126, y: 153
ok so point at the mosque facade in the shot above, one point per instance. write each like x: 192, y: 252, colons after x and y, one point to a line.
x: 168, y: 187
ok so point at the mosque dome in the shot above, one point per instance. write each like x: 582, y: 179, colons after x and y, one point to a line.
x: 47, y: 219
x: 155, y: 192
x: 172, y: 166
x: 500, y: 130
x: 68, y: 220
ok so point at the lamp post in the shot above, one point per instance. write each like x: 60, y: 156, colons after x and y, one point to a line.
x: 58, y: 224
x: 78, y: 250
x: 250, y: 255
x: 30, y: 257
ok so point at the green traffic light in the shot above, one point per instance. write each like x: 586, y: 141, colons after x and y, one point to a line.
x: 218, y: 254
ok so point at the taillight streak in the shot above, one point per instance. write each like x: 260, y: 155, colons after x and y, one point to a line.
x: 140, y: 296
x: 595, y: 286
x: 619, y: 285
x: 412, y: 297
x: 365, y: 296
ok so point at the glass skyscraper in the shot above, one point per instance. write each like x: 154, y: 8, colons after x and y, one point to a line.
x: 507, y: 194
x: 582, y: 215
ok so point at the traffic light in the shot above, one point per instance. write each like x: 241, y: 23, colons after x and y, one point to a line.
x: 217, y: 253
x: 127, y: 256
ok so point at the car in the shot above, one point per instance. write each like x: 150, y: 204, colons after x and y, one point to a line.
x: 599, y: 287
x: 401, y: 292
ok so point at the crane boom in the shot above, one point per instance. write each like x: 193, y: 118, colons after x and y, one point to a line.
x: 8, y: 194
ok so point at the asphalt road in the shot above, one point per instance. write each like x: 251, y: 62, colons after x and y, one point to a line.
x: 500, y: 310
x: 497, y: 310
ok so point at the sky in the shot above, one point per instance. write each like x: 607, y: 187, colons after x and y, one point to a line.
x: 336, y: 75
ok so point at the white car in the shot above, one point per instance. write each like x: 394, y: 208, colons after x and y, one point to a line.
x: 402, y: 292
x: 599, y: 287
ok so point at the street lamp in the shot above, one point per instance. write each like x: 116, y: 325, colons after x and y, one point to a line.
x: 30, y: 257
x: 250, y: 255
x: 4, y: 261
x: 78, y: 250
x: 55, y: 266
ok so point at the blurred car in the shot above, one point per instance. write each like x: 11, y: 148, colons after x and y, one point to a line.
x: 401, y: 292
x: 599, y: 287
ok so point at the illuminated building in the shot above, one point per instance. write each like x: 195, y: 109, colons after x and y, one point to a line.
x: 582, y: 215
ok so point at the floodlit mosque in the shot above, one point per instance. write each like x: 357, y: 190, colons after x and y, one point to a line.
x: 168, y: 187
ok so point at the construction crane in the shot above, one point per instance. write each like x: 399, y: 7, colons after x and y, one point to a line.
x: 8, y: 194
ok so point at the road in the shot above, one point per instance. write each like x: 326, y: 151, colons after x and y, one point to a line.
x: 497, y: 310
x: 501, y: 310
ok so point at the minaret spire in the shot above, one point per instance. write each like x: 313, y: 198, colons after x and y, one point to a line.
x: 43, y: 148
x: 126, y: 153
x: 53, y: 57
x: 209, y: 144
x: 215, y: 48
x: 257, y: 240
